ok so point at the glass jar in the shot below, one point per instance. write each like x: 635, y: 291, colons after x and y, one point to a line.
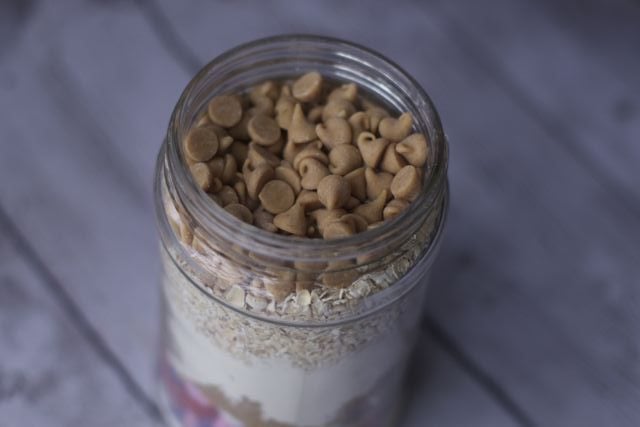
x: 245, y: 342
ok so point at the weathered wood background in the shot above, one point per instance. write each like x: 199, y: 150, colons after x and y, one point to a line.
x: 534, y: 315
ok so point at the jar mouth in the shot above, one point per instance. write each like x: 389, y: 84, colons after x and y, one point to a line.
x: 387, y: 75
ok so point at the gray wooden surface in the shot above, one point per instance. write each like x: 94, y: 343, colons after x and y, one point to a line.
x: 533, y: 316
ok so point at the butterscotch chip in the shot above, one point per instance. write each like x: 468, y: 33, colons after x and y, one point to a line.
x: 372, y: 211
x: 240, y: 211
x: 359, y: 123
x: 216, y: 185
x: 308, y: 87
x: 334, y: 191
x: 229, y: 170
x: 276, y: 148
x: 337, y: 229
x: 376, y: 114
x: 371, y: 148
x: 347, y: 92
x: 239, y: 150
x: 312, y: 171
x: 286, y: 173
x: 352, y: 203
x: 268, y: 88
x: 392, y: 161
x: 276, y: 196
x: 394, y: 208
x: 344, y: 159
x: 263, y: 130
x: 310, y: 152
x: 340, y: 274
x: 396, y: 129
x: 291, y: 149
x: 201, y: 144
x: 216, y: 166
x: 357, y: 183
x: 263, y: 105
x: 225, y: 110
x: 315, y: 114
x: 376, y: 182
x: 357, y: 222
x: 241, y: 190
x: 324, y: 216
x: 264, y: 220
x: 334, y: 131
x: 258, y: 154
x: 201, y: 175
x: 284, y: 108
x: 241, y: 129
x: 407, y: 183
x: 292, y: 221
x: 228, y: 196
x: 338, y: 108
x: 300, y: 130
x: 414, y: 149
x: 309, y: 200
x: 257, y: 178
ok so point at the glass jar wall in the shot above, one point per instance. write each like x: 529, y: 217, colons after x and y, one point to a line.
x: 262, y: 329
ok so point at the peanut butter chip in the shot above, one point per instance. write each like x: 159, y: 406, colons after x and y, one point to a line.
x: 201, y: 144
x: 348, y: 92
x: 334, y: 191
x: 406, y: 184
x: 225, y: 110
x: 394, y: 208
x: 334, y: 131
x: 284, y: 108
x: 392, y: 162
x: 396, y: 129
x: 376, y: 182
x: 337, y: 229
x: 257, y: 178
x: 264, y: 220
x: 359, y: 123
x: 287, y: 174
x: 372, y: 211
x: 276, y: 196
x: 292, y: 221
x: 312, y: 152
x: 258, y: 154
x: 312, y: 171
x: 309, y: 200
x: 358, y: 184
x: 202, y: 175
x: 300, y: 130
x: 338, y: 108
x: 376, y: 114
x: 371, y: 148
x: 322, y: 217
x: 228, y: 196
x: 414, y: 149
x: 240, y: 211
x: 230, y: 169
x: 357, y: 222
x: 307, y: 88
x: 263, y: 130
x: 344, y: 159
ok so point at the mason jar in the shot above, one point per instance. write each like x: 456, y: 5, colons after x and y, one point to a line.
x: 245, y: 343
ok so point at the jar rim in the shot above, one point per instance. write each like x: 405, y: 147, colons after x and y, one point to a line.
x: 209, y: 214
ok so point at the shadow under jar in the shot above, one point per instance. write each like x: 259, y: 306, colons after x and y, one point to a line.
x: 236, y: 354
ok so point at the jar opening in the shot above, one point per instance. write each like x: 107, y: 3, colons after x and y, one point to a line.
x: 285, y: 56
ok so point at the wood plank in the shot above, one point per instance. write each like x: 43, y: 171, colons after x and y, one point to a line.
x: 574, y: 68
x: 537, y: 277
x: 76, y: 181
x: 49, y: 374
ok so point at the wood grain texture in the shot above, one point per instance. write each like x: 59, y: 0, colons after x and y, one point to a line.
x: 49, y: 375
x: 87, y: 91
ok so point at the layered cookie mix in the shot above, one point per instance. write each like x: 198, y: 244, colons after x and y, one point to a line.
x: 256, y: 342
